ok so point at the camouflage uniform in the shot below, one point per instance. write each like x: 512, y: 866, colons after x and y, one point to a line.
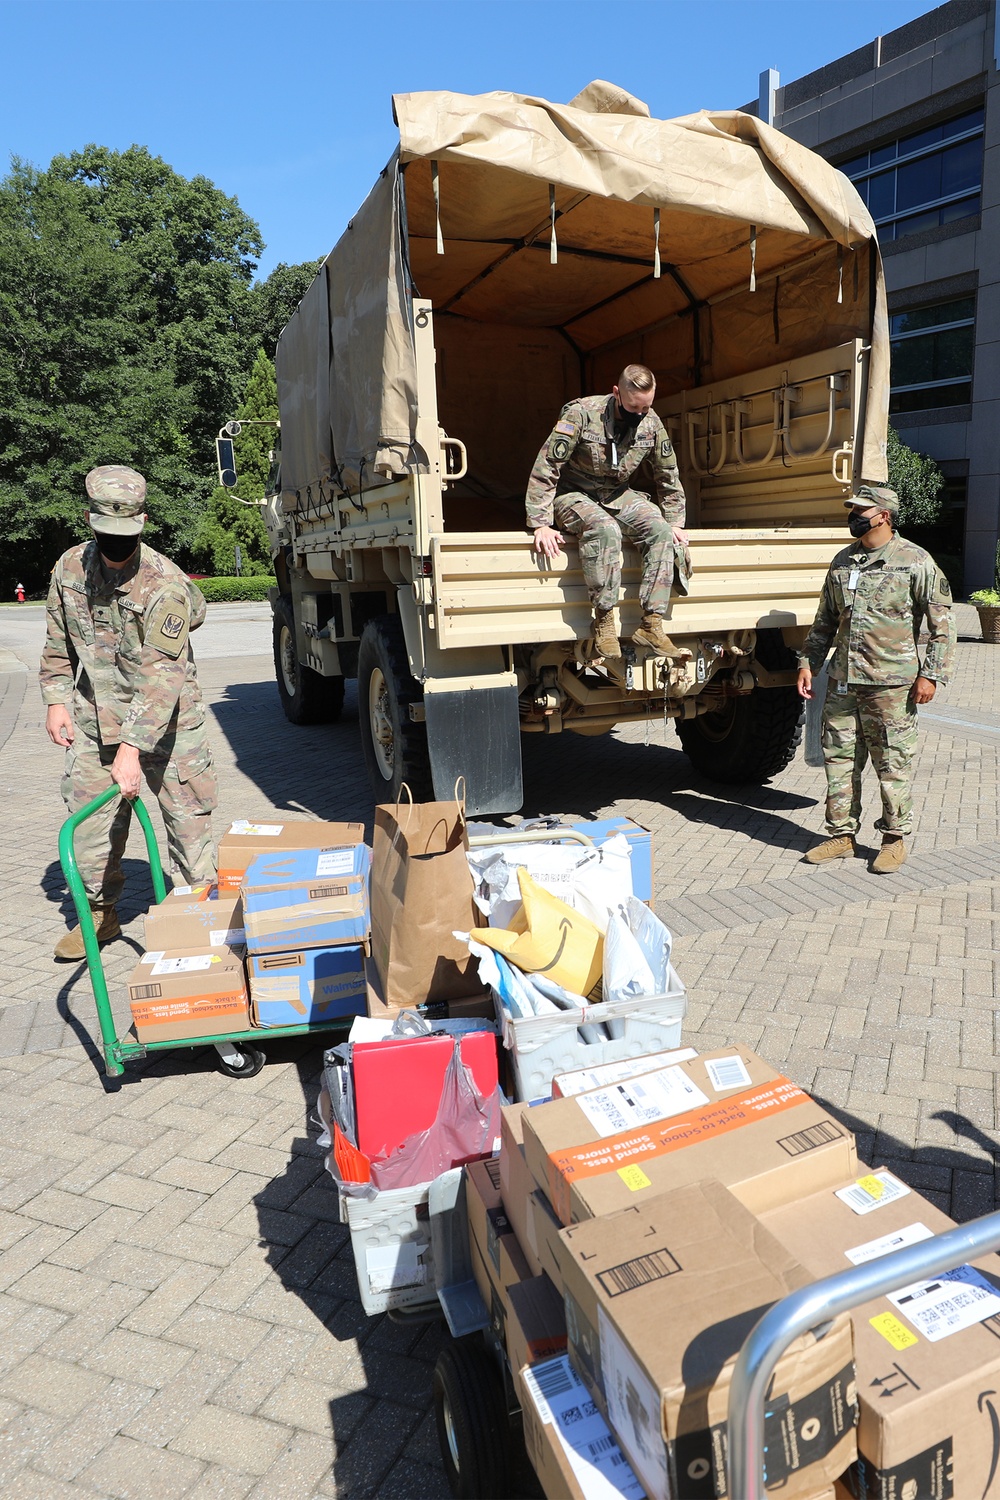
x: 116, y: 650
x: 579, y: 483
x: 873, y: 606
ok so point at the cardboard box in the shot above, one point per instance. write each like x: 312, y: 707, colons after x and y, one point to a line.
x: 309, y: 898
x: 184, y: 922
x: 245, y: 840
x: 546, y: 1227
x: 597, y: 830
x: 497, y: 1261
x: 536, y: 1322
x: 516, y: 1184
x: 726, y: 1115
x: 929, y: 1410
x: 181, y: 995
x: 307, y: 988
x: 582, y: 1080
x: 659, y: 1300
x: 567, y: 1439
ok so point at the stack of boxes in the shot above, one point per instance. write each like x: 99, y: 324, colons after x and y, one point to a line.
x: 279, y: 940
x: 630, y: 1237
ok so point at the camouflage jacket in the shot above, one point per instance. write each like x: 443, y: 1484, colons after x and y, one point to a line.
x: 118, y: 650
x: 872, y: 610
x: 580, y: 455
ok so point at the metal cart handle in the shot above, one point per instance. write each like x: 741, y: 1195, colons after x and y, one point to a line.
x: 811, y: 1307
x: 71, y: 870
x: 529, y: 836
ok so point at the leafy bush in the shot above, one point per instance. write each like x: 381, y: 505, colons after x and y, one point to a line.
x: 917, y: 481
x: 989, y: 598
x: 251, y: 588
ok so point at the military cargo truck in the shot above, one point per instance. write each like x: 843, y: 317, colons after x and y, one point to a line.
x: 513, y: 255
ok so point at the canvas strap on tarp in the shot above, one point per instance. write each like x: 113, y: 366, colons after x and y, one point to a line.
x: 656, y: 244
x: 436, y: 185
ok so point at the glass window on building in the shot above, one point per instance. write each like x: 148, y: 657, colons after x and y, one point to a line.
x: 922, y: 180
x: 932, y: 351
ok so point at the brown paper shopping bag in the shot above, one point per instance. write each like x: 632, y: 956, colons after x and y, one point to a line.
x: 421, y: 892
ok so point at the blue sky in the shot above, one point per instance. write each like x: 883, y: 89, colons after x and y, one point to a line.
x: 286, y: 103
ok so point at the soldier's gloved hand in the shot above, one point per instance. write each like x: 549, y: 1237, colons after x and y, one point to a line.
x: 125, y: 771
x: 804, y: 682
x: 59, y: 725
x: 548, y: 541
x: 923, y: 690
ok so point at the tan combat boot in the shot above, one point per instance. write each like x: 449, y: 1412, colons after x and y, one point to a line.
x: 891, y: 855
x: 841, y: 847
x: 70, y: 945
x: 605, y: 634
x: 652, y: 633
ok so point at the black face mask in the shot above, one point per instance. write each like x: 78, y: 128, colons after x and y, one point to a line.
x: 117, y: 549
x: 626, y: 419
x: 860, y: 525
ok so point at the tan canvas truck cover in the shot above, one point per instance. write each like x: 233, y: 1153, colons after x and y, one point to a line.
x: 706, y: 247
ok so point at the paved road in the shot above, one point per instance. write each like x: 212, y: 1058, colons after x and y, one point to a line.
x: 178, y: 1304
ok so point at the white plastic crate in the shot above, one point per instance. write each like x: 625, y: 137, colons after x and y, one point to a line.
x: 542, y: 1046
x: 393, y: 1253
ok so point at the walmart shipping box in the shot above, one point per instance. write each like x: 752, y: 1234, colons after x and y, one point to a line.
x: 659, y: 1300
x: 928, y: 1357
x: 308, y: 988
x: 179, y: 995
x: 239, y: 847
x: 724, y: 1115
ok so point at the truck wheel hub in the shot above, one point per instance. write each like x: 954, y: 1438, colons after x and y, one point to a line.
x: 383, y: 739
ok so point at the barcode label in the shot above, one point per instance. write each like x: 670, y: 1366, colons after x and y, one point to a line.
x: 727, y: 1073
x: 600, y: 1469
x: 146, y: 992
x: 807, y: 1140
x: 322, y: 892
x: 946, y: 1304
x: 873, y: 1191
x: 548, y: 1382
x: 493, y: 1171
x: 631, y: 1274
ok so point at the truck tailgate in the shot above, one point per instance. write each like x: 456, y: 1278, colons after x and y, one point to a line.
x: 490, y: 588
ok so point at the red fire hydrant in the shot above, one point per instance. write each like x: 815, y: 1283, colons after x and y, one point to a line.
x: 19, y: 591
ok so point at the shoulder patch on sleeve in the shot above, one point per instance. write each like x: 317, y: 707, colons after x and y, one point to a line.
x: 566, y: 428
x: 666, y: 447
x: 167, y: 627
x: 942, y: 590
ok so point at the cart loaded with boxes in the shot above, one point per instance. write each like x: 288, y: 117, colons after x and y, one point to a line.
x: 663, y: 1274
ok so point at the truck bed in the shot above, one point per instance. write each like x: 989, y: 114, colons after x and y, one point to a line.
x: 491, y: 588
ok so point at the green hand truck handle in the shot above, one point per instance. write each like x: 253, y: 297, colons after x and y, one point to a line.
x: 71, y: 870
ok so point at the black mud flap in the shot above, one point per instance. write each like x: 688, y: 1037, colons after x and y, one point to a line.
x: 476, y: 733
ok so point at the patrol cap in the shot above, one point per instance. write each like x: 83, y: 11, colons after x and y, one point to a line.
x: 117, y: 500
x: 875, y: 494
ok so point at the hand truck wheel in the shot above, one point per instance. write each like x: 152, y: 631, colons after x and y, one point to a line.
x: 471, y: 1415
x: 239, y: 1059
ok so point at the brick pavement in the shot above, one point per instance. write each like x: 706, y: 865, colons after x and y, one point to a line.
x: 178, y: 1301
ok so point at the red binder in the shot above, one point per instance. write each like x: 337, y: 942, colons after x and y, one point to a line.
x: 397, y: 1084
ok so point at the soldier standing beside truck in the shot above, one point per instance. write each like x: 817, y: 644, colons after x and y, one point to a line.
x: 878, y: 594
x: 123, y: 698
x: 580, y: 482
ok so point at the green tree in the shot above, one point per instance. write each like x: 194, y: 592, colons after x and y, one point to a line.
x: 917, y: 481
x: 273, y: 301
x: 233, y: 516
x: 124, y: 289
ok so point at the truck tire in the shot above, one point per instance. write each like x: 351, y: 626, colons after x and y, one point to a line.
x: 306, y: 697
x: 395, y: 747
x: 471, y: 1416
x: 749, y: 739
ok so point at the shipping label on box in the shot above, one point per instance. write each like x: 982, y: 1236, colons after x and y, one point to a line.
x: 314, y: 898
x: 659, y: 1299
x: 307, y: 988
x: 726, y: 1115
x: 245, y: 840
x: 581, y: 1080
x: 567, y: 1439
x: 928, y: 1356
x: 215, y: 919
x: 178, y: 995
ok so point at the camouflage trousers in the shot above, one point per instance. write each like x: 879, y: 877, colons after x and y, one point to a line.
x: 599, y: 531
x: 864, y: 722
x: 184, y: 784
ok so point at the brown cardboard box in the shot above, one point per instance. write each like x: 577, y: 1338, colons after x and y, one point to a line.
x: 497, y: 1260
x: 659, y: 1300
x: 583, y: 1080
x: 182, y: 924
x: 929, y: 1410
x: 545, y: 1228
x: 566, y: 1438
x: 240, y: 846
x: 763, y: 1137
x: 192, y: 994
x: 516, y: 1184
x: 536, y: 1322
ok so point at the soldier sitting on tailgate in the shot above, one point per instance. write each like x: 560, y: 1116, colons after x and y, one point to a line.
x: 580, y: 485
x: 123, y: 698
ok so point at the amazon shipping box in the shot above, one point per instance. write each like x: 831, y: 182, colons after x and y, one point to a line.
x: 725, y: 1115
x: 928, y: 1356
x: 659, y: 1299
x: 179, y: 995
x: 239, y: 847
x: 193, y: 917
